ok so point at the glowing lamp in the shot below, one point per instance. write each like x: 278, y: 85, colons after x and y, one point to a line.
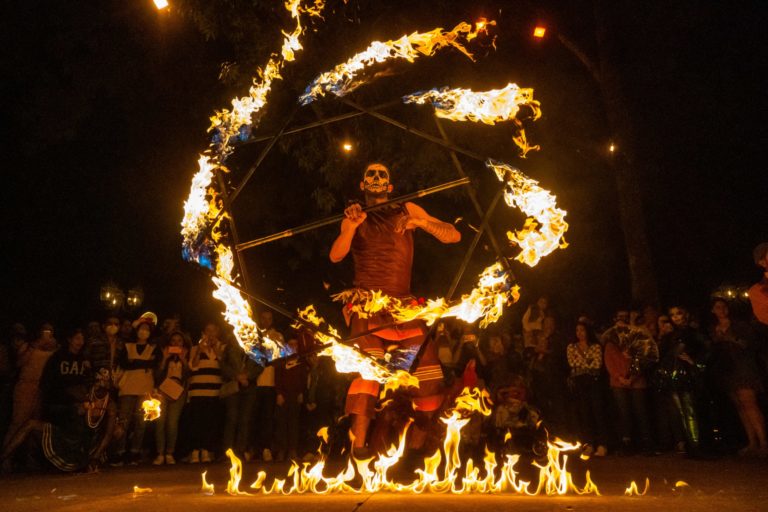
x: 612, y: 148
x: 161, y: 4
x: 135, y: 297
x: 347, y: 147
x: 539, y: 32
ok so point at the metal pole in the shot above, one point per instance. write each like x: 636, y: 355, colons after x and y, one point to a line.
x: 476, y: 204
x: 323, y: 122
x: 336, y: 218
x: 232, y: 227
x: 468, y: 256
x: 416, y: 131
x: 262, y: 156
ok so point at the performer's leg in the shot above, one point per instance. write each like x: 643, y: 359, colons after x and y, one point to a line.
x: 362, y: 394
x: 430, y: 395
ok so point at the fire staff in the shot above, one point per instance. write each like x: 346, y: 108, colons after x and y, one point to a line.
x: 381, y: 243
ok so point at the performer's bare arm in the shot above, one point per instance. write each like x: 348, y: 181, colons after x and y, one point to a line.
x: 354, y: 217
x: 419, y: 218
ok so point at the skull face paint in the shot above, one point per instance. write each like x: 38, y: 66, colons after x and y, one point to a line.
x: 376, y: 179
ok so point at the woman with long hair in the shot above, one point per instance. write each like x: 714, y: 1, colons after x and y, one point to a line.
x: 735, y: 370
x: 585, y: 358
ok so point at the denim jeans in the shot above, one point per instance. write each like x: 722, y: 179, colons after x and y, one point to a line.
x: 239, y: 417
x: 633, y: 416
x: 131, y: 414
x: 167, y: 425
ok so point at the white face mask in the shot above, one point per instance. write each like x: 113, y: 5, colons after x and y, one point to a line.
x: 111, y: 330
x: 376, y: 180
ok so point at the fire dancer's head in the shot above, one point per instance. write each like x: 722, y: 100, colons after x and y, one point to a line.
x: 375, y: 181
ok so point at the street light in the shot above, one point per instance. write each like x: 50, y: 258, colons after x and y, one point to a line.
x: 539, y: 32
x: 161, y: 4
x: 347, y: 147
x: 115, y: 299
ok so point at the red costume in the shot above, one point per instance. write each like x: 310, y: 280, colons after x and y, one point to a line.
x: 382, y: 261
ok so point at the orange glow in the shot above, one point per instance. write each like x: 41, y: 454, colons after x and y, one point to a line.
x: 161, y: 4
x: 442, y: 472
x: 347, y: 147
x: 612, y: 147
x: 539, y: 32
x: 151, y: 408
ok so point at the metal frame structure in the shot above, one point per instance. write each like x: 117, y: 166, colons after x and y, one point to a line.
x: 374, y: 112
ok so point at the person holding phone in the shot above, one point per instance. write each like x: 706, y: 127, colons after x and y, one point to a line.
x: 171, y: 378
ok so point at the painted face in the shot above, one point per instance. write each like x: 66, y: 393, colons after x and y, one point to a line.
x: 376, y: 179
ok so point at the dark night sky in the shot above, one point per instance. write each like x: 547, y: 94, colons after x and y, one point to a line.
x: 107, y: 105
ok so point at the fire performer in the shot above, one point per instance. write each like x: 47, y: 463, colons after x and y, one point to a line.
x: 381, y: 243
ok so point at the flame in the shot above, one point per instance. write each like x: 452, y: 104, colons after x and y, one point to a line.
x: 342, y: 79
x: 151, y: 407
x: 235, y: 474
x: 202, y: 210
x: 323, y: 434
x: 632, y: 490
x: 440, y: 473
x: 141, y: 490
x: 485, y: 302
x: 206, y: 487
x: 489, y: 107
x: 544, y: 229
x: 228, y: 123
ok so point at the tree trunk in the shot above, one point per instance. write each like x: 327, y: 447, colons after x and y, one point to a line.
x: 626, y: 162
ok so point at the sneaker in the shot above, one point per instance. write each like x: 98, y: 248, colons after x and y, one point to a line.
x: 170, y: 460
x: 205, y: 456
x: 248, y: 456
x: 601, y: 451
x: 159, y: 461
x: 292, y: 455
x: 680, y: 447
x: 134, y: 459
x: 194, y: 457
x: 267, y: 455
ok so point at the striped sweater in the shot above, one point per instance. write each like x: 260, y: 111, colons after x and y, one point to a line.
x: 205, y: 379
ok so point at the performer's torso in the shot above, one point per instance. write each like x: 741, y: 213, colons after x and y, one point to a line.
x: 383, y: 258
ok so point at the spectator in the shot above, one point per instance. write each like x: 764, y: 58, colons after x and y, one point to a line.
x: 734, y: 368
x: 498, y: 367
x: 204, y: 388
x: 102, y: 350
x: 264, y: 407
x: 30, y: 359
x: 126, y: 331
x: 585, y: 358
x: 238, y: 393
x: 682, y: 356
x: 549, y: 371
x: 628, y: 353
x: 137, y: 362
x: 171, y: 377
x: 66, y: 378
x: 8, y: 349
x: 669, y: 430
x: 758, y: 293
x: 290, y: 385
x: 533, y: 322
x: 323, y: 391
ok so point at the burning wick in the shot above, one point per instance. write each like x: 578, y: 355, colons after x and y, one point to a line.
x: 151, y: 409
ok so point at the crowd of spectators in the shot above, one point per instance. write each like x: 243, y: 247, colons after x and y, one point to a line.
x: 649, y: 382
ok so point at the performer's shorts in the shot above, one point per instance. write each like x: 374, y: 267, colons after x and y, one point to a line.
x: 405, y: 339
